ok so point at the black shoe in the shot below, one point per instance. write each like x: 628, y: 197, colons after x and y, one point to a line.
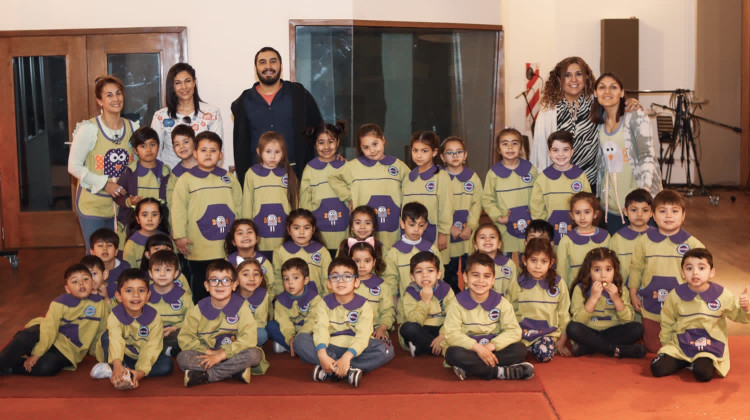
x: 319, y: 375
x: 580, y: 350
x: 195, y: 377
x: 632, y: 351
x: 353, y: 376
x: 522, y: 370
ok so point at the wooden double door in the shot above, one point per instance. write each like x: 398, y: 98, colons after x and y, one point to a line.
x: 46, y: 88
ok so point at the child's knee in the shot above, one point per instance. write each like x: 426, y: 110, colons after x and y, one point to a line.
x: 543, y: 349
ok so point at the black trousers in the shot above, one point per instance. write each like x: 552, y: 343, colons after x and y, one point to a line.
x: 604, y: 341
x: 470, y: 362
x: 419, y: 335
x: 197, y: 277
x: 11, y: 357
x: 664, y: 365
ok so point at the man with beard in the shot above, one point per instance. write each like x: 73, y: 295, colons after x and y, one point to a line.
x: 276, y: 105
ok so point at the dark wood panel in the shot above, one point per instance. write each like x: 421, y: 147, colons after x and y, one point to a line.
x: 393, y: 24
x: 94, y: 31
x: 745, y: 139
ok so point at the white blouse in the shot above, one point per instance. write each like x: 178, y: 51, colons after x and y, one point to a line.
x: 207, y: 119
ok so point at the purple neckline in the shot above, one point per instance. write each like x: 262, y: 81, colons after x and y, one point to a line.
x: 424, y: 176
x: 493, y: 299
x: 678, y: 238
x: 318, y: 164
x: 357, y: 302
x: 200, y: 173
x: 259, y: 170
x: 709, y: 295
x: 523, y: 168
x: 387, y: 160
x: 554, y: 174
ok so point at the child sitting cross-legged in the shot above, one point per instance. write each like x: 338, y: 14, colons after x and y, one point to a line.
x: 341, y: 345
x: 219, y: 336
x: 482, y: 336
x: 169, y: 299
x: 61, y: 339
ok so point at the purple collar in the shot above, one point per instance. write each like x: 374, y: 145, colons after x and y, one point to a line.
x: 523, y: 168
x: 528, y: 283
x: 199, y: 173
x: 141, y: 170
x: 710, y: 295
x: 440, y: 289
x: 178, y: 170
x: 464, y: 299
x: 424, y: 176
x: 387, y: 161
x: 353, y: 304
x: 68, y: 300
x: 95, y: 298
x: 464, y: 176
x: 372, y: 282
x: 257, y: 298
x: 170, y: 297
x: 288, y: 300
x: 554, y: 174
x: 259, y: 170
x: 678, y: 238
x: 139, y: 238
x: 210, y: 312
x: 628, y: 233
x: 501, y: 259
x: 293, y: 248
x: 405, y: 248
x: 319, y: 165
x: 599, y: 236
x: 146, y: 317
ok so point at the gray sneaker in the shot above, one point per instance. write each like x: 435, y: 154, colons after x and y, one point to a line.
x: 354, y: 375
x: 459, y: 372
x: 522, y: 370
x: 101, y: 371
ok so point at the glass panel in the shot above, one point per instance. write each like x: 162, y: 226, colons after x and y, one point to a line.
x: 41, y: 93
x: 141, y: 75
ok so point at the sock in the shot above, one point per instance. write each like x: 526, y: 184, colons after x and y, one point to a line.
x: 500, y: 372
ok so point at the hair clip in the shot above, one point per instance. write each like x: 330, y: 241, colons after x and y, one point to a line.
x: 353, y: 241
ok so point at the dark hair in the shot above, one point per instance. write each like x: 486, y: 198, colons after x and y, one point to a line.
x: 183, y: 130
x: 414, y: 210
x: 478, y: 258
x: 141, y: 135
x: 131, y: 274
x: 335, y: 131
x: 75, y: 268
x: 264, y: 49
x: 431, y: 139
x: 448, y: 140
x: 667, y: 196
x: 92, y: 261
x: 171, y: 96
x: 488, y: 225
x: 584, y: 273
x: 105, y: 80
x: 297, y: 263
x: 210, y: 136
x: 561, y: 136
x: 592, y: 199
x: 543, y: 246
x: 700, y: 253
x: 220, y: 265
x: 229, y: 246
x: 157, y: 239
x: 504, y: 131
x: 540, y: 225
x: 344, y: 245
x: 134, y: 226
x: 598, y: 112
x: 552, y: 93
x: 164, y: 257
x: 639, y: 195
x: 345, y: 262
x: 376, y: 253
x: 369, y: 129
x: 307, y: 215
x: 424, y: 256
x: 253, y: 261
x: 292, y: 189
x: 105, y: 235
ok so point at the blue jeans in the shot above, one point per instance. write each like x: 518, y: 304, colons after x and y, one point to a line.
x: 274, y: 333
x: 262, y: 336
x: 89, y: 225
x: 162, y: 366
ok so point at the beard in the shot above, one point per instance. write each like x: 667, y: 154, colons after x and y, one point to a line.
x: 268, y: 80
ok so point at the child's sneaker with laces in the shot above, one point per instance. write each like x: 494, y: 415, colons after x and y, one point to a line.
x: 354, y: 375
x: 522, y: 370
x: 101, y: 371
x: 278, y: 348
x: 195, y: 377
x: 319, y: 375
x: 459, y: 372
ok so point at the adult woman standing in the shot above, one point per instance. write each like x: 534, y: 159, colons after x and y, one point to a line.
x: 99, y: 154
x: 627, y: 161
x: 184, y: 106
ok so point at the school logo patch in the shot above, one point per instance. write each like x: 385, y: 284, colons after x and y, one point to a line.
x: 430, y: 186
x: 304, y: 308
x: 177, y: 283
x: 285, y: 180
x: 176, y: 306
x: 609, y: 301
x: 555, y: 293
x: 252, y: 307
x: 143, y: 331
x: 683, y: 248
x: 316, y: 258
x: 494, y: 314
x: 89, y: 311
x: 506, y: 271
x: 484, y: 341
x: 527, y: 178
x: 226, y: 340
x: 393, y: 170
x: 468, y: 186
x: 375, y: 291
x: 458, y: 225
x: 714, y: 306
x: 576, y: 186
x: 232, y: 319
x: 353, y: 317
x: 226, y: 179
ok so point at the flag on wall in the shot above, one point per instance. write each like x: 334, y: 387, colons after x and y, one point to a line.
x: 533, y: 92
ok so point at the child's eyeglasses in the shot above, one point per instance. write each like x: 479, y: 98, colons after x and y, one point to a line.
x: 347, y: 278
x: 226, y: 281
x: 451, y: 153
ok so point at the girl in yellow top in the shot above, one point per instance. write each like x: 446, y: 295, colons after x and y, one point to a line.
x: 252, y: 288
x: 240, y: 245
x: 583, y: 237
x: 489, y: 241
x: 149, y: 218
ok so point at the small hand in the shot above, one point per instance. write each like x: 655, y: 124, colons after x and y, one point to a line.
x: 114, y: 189
x: 426, y: 294
x: 442, y: 241
x: 117, y: 373
x: 632, y: 104
x: 596, y: 289
x: 612, y: 290
x: 30, y: 362
x: 211, y: 358
x: 503, y: 220
x: 744, y: 301
x: 340, y: 157
x: 455, y: 231
x: 169, y: 330
x: 182, y: 245
x: 326, y: 362
x: 635, y: 300
x: 343, y: 364
x: 485, y: 354
x: 561, y: 346
x: 136, y: 376
x: 435, y: 345
x: 465, y: 233
x: 381, y: 333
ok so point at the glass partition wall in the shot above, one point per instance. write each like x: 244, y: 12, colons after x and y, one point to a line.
x: 405, y: 79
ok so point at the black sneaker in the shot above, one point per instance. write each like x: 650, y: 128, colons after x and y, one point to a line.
x: 243, y: 376
x: 522, y: 370
x: 459, y: 372
x: 319, y: 375
x: 353, y: 376
x: 632, y: 351
x: 195, y: 377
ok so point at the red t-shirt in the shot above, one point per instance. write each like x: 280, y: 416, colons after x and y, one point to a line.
x: 267, y: 98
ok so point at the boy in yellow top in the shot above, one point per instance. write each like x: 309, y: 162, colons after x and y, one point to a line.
x: 341, y: 345
x: 132, y: 344
x: 219, y: 336
x: 693, y: 321
x: 655, y: 266
x: 170, y: 300
x: 638, y: 211
x: 482, y: 337
x: 61, y: 339
x: 423, y: 306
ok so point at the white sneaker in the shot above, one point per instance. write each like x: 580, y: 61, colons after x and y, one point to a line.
x: 278, y: 348
x: 101, y: 371
x: 412, y: 349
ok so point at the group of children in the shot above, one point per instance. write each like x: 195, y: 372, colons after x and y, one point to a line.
x: 211, y: 270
